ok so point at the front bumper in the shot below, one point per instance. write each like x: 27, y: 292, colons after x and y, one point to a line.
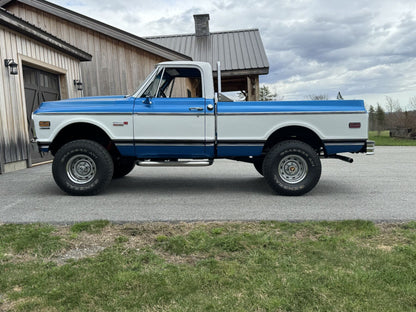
x: 42, y: 146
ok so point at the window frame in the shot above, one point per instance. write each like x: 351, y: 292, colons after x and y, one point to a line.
x: 140, y: 93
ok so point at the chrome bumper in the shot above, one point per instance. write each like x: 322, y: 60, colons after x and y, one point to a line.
x: 43, y: 147
x: 371, y: 145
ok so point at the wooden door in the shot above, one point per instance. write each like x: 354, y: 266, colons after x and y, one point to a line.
x: 40, y: 86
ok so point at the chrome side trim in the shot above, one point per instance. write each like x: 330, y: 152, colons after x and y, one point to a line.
x: 291, y: 113
x: 199, y: 114
x: 171, y: 114
x: 345, y: 143
x: 83, y: 113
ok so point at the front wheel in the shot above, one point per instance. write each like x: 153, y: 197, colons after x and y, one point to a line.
x: 82, y: 167
x: 292, y: 168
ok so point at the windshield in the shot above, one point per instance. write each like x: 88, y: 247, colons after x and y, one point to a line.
x: 154, y: 86
x: 151, y: 76
x: 173, y: 82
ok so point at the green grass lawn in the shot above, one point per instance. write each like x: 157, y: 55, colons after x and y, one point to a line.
x: 384, y: 139
x: 256, y: 266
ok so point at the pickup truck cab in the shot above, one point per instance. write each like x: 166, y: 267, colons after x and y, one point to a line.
x: 176, y: 119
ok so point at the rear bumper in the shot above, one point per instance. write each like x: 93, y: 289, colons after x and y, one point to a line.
x: 370, y: 147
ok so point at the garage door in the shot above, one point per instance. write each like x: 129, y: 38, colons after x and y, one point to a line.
x: 40, y: 86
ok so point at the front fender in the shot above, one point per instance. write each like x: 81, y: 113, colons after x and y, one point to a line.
x: 118, y: 127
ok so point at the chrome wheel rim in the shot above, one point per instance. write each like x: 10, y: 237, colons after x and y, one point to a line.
x: 81, y: 169
x: 293, y: 169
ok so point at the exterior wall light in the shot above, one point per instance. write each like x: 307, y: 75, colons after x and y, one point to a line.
x: 78, y: 84
x: 12, y: 66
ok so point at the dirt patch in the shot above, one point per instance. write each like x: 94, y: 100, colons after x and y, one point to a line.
x: 131, y: 236
x: 385, y: 248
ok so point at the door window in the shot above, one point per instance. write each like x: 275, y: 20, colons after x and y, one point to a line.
x: 176, y: 83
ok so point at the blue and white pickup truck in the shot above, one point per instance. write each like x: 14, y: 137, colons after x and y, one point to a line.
x: 175, y: 119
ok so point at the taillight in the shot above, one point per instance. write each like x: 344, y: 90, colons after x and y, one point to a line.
x: 355, y: 125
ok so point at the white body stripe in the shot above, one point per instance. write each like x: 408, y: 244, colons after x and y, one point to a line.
x: 260, y: 127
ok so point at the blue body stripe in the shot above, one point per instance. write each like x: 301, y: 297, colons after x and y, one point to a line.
x: 122, y: 104
x: 175, y: 151
x: 343, y: 148
x: 190, y: 151
x: 240, y: 150
x: 100, y: 104
x: 126, y: 150
x: 171, y: 151
x: 163, y: 151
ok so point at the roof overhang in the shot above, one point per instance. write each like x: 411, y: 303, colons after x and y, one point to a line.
x: 242, y: 72
x: 240, y: 52
x: 17, y: 24
x: 100, y: 27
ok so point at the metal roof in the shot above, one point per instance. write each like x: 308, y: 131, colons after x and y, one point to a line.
x: 241, y: 52
x: 23, y: 27
x: 105, y: 29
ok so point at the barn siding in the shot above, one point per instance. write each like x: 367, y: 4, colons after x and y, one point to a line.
x: 116, y: 67
x: 14, y: 138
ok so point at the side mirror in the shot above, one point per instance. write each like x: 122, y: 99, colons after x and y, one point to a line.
x: 147, y: 101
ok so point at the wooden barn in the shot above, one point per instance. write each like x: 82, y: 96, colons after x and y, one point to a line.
x: 36, y: 66
x: 49, y: 52
x: 61, y: 54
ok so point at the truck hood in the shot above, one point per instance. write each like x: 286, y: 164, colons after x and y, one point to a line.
x: 95, y: 104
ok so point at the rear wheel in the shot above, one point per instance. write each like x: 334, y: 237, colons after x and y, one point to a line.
x: 292, y: 168
x: 82, y: 167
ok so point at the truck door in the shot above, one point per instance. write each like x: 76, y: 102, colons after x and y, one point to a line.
x: 169, y: 117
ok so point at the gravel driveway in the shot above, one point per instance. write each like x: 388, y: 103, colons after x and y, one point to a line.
x: 378, y: 188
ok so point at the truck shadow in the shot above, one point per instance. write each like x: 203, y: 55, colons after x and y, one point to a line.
x: 185, y: 185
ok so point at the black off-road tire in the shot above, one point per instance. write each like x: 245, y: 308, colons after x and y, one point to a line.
x: 82, y: 167
x: 292, y: 168
x: 123, y: 166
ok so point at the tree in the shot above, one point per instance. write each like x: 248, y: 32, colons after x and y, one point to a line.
x: 412, y: 113
x: 265, y: 94
x: 412, y: 103
x: 392, y: 105
x: 372, y: 118
x: 380, y: 117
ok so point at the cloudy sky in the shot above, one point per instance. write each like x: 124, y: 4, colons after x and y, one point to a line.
x: 364, y: 48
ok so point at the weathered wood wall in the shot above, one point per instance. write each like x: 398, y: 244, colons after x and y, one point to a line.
x: 14, y: 138
x: 116, y: 67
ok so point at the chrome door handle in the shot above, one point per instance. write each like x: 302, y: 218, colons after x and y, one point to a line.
x: 196, y: 108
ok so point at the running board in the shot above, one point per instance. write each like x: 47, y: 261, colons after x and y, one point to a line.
x: 175, y: 163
